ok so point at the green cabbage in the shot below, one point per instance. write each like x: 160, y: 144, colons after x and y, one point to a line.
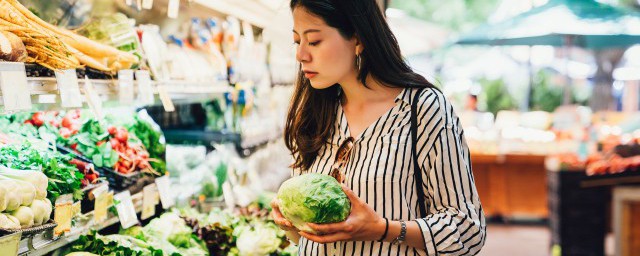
x: 313, y: 198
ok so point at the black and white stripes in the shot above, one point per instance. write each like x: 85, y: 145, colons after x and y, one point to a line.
x: 380, y: 171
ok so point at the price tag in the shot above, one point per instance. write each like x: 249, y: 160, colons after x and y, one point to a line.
x: 103, y: 199
x: 147, y: 4
x: 164, y: 188
x: 145, y: 91
x: 126, y: 211
x: 15, y: 89
x: 69, y: 88
x: 125, y: 86
x: 63, y: 213
x: 149, y: 201
x: 10, y: 244
x: 93, y: 98
x: 174, y: 7
x: 166, y: 100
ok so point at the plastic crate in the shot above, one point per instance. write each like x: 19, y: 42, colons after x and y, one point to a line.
x: 117, y: 181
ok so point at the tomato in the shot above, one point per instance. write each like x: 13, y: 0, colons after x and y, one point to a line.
x: 67, y: 122
x: 114, y: 143
x: 122, y: 135
x: 65, y: 133
x: 74, y: 146
x: 112, y: 130
x: 38, y: 119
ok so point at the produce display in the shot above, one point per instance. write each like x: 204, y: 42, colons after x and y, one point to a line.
x: 57, y: 172
x: 23, y: 199
x: 110, y: 146
x: 58, y: 48
x: 313, y: 198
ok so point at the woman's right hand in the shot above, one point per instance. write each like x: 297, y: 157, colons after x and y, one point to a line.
x: 280, y: 220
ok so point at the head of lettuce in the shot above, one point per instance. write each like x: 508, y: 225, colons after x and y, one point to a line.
x: 313, y: 198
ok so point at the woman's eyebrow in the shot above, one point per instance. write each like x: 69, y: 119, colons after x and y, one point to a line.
x: 307, y: 31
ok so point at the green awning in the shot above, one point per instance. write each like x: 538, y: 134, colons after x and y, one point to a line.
x: 584, y: 23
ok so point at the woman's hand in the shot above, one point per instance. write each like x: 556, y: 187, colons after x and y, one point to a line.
x: 280, y: 220
x: 363, y: 224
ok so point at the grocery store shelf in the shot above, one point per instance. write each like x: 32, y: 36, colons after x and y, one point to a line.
x: 245, y: 145
x: 198, y: 137
x: 624, y: 178
x: 178, y: 90
x: 45, y: 243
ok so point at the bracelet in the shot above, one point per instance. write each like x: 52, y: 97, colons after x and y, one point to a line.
x: 386, y: 229
x: 403, y: 232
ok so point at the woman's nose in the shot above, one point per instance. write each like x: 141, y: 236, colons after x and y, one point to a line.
x: 302, y: 55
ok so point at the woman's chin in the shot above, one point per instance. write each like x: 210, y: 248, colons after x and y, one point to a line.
x: 318, y: 85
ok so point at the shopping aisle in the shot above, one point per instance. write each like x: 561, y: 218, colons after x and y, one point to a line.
x: 523, y: 240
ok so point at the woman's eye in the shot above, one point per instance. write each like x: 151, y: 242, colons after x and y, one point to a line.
x: 314, y: 43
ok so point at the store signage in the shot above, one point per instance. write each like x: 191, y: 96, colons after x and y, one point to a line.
x: 145, y: 90
x: 10, y: 244
x: 126, y: 211
x: 103, y: 200
x: 125, y: 86
x: 174, y: 7
x: 93, y: 98
x: 63, y: 213
x: 164, y: 188
x: 149, y: 201
x: 147, y: 4
x: 69, y: 88
x: 15, y: 89
x: 166, y: 99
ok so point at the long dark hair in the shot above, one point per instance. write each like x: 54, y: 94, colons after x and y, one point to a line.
x: 312, y: 112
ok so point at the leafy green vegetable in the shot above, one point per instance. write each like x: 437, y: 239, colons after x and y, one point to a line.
x: 64, y: 178
x: 113, y: 245
x: 313, y: 198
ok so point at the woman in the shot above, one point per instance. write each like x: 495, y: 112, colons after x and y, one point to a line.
x: 351, y: 118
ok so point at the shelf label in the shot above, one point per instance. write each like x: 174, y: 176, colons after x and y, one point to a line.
x: 69, y: 88
x: 147, y: 4
x: 93, y: 98
x: 103, y: 200
x: 149, y: 201
x: 174, y: 7
x: 145, y: 91
x: 15, y: 89
x: 126, y: 211
x: 10, y: 244
x: 63, y: 213
x: 166, y: 99
x: 125, y: 86
x: 164, y: 188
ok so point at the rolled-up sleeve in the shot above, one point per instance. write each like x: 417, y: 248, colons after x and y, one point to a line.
x: 455, y: 224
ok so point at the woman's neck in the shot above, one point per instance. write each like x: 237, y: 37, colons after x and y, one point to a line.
x: 355, y: 94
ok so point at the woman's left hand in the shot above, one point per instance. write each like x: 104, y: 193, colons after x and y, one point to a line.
x: 363, y: 224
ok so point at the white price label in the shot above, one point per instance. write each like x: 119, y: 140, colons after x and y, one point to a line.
x: 102, y: 200
x: 15, y: 89
x: 149, y: 201
x: 147, y: 4
x: 70, y: 96
x: 125, y: 86
x: 164, y: 188
x: 174, y: 7
x: 93, y: 98
x: 167, y: 103
x: 126, y: 211
x: 10, y: 244
x: 145, y: 91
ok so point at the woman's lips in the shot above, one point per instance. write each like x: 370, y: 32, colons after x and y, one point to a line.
x: 309, y: 74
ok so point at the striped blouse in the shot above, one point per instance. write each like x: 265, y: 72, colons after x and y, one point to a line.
x: 380, y: 171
